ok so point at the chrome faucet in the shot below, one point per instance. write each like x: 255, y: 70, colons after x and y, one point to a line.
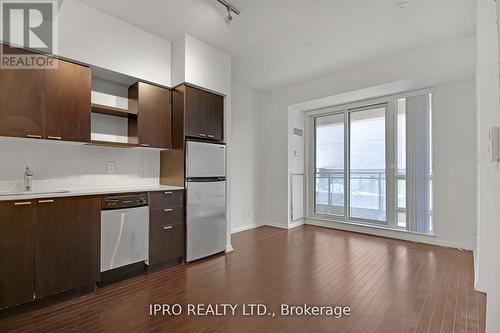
x: 28, y: 174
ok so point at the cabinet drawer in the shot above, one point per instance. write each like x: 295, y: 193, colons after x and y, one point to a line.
x: 166, y: 243
x: 166, y: 199
x: 165, y: 216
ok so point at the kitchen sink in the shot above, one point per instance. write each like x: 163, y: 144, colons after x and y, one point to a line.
x: 4, y: 194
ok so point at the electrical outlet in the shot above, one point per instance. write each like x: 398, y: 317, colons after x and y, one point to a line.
x: 110, y: 167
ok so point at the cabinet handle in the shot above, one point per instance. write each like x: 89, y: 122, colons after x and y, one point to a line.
x: 25, y: 203
x: 168, y: 193
x: 167, y: 227
x: 211, y: 136
x: 202, y: 135
x: 54, y: 138
x: 168, y: 210
x: 34, y: 136
x: 46, y: 201
x: 145, y: 145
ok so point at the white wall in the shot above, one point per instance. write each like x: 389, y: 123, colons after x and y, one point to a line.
x: 246, y: 105
x: 201, y: 64
x: 454, y: 144
x: 73, y: 166
x: 91, y: 36
x: 488, y: 106
x: 436, y: 66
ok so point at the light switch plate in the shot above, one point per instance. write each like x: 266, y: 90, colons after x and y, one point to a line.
x: 111, y: 167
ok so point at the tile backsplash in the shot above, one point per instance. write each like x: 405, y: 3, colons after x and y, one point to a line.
x: 73, y: 166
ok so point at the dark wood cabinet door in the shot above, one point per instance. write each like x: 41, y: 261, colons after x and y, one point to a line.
x: 164, y: 216
x: 166, y: 199
x: 154, y: 115
x: 166, y: 243
x: 215, y: 117
x: 195, y: 117
x: 67, y: 102
x: 16, y: 253
x: 204, y: 114
x: 67, y: 244
x: 21, y: 100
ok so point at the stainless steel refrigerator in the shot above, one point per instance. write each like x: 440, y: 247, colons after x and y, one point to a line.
x: 206, y: 199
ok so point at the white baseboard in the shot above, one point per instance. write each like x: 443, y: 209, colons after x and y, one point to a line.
x: 480, y: 288
x: 270, y: 224
x: 412, y: 237
x: 246, y: 227
x: 295, y: 224
x: 275, y: 225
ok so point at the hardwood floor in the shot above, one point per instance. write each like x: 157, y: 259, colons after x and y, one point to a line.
x: 390, y: 286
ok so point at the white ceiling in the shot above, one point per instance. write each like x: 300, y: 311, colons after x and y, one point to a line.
x: 278, y: 43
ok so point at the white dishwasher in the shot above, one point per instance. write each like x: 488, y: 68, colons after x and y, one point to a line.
x: 124, y: 230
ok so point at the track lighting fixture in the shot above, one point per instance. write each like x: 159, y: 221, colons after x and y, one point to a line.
x: 230, y: 9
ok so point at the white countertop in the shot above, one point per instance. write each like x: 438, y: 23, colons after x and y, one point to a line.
x: 85, y: 192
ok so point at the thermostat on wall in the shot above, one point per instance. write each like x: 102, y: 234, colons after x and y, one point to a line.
x: 298, y: 132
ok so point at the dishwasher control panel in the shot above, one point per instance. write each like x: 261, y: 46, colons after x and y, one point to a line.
x: 124, y: 201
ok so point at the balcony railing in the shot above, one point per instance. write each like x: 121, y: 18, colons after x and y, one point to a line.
x: 367, y: 193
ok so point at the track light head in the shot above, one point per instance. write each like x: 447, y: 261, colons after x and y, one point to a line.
x: 230, y: 9
x: 229, y: 17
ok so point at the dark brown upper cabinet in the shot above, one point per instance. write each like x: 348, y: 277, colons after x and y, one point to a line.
x: 67, y: 244
x: 67, y: 102
x: 154, y: 116
x: 16, y: 253
x: 52, y: 103
x: 21, y: 100
x: 215, y: 117
x: 204, y: 114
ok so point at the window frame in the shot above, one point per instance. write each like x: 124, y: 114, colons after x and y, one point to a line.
x: 390, y: 102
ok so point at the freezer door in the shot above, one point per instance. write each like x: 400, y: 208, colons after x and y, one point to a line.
x: 205, y: 219
x: 205, y: 160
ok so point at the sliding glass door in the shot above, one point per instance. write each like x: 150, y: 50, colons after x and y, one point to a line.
x: 367, y: 168
x: 329, y: 179
x: 372, y: 163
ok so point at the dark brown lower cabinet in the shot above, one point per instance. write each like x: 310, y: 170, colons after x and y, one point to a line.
x: 166, y: 199
x: 67, y: 244
x: 16, y: 253
x: 166, y: 243
x: 166, y: 222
